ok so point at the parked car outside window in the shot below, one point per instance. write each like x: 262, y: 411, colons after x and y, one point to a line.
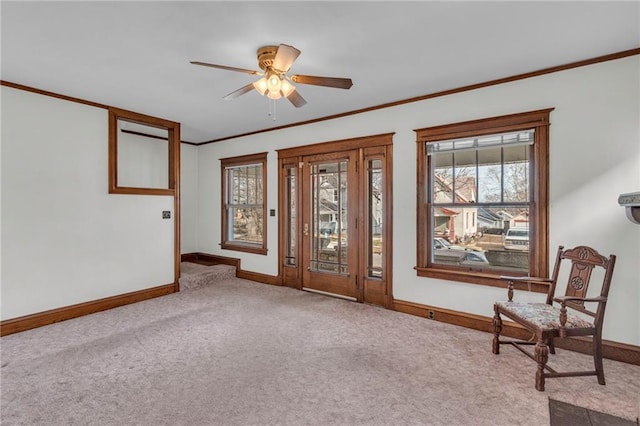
x: 516, y: 239
x: 445, y: 252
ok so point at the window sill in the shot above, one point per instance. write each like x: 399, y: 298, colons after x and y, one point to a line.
x: 478, y: 278
x: 140, y: 191
x: 244, y: 247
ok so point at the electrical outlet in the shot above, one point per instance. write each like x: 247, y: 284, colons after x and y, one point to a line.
x: 166, y: 214
x: 431, y: 315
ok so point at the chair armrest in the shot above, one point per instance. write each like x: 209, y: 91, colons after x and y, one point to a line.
x: 526, y: 279
x: 564, y: 299
x: 563, y: 309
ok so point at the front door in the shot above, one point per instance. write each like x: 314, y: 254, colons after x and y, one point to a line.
x: 329, y: 224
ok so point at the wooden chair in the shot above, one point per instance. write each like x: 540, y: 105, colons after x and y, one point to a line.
x: 549, y: 321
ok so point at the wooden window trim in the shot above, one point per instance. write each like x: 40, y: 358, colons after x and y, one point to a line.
x: 239, y: 161
x: 173, y: 140
x: 538, y: 257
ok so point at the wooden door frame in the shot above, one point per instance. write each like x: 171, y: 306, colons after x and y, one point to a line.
x: 292, y: 158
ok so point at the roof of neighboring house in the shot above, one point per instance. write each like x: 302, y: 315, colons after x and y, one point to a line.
x: 465, y: 188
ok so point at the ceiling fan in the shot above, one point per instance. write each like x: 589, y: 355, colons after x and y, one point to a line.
x: 275, y: 62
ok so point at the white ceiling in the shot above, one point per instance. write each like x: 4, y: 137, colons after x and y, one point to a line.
x: 135, y: 55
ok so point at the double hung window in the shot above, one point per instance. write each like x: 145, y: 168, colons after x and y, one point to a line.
x: 244, y: 203
x: 482, y: 194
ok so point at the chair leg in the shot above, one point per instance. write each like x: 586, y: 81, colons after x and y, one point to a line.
x: 541, y: 355
x: 597, y: 358
x: 497, y: 329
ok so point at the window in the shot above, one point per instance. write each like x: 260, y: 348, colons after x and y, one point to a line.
x: 482, y: 199
x: 244, y: 195
x: 291, y: 218
x: 144, y: 153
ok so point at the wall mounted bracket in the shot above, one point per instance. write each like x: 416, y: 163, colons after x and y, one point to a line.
x: 631, y: 204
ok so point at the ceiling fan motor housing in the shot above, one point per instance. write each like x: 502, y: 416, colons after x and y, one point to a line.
x: 266, y: 55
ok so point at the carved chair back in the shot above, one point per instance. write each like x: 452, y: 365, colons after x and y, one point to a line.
x: 583, y: 260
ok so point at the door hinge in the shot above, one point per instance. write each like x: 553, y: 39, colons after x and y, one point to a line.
x: 357, y: 282
x: 356, y: 223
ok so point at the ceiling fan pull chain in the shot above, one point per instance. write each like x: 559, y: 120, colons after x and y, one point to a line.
x: 272, y: 108
x: 273, y: 102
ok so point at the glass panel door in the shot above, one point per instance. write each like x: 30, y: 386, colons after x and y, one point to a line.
x: 329, y: 216
x: 329, y: 224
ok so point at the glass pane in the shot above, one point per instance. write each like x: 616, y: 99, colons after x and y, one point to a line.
x: 375, y: 218
x: 329, y: 217
x: 490, y: 175
x: 245, y: 184
x: 516, y: 173
x: 500, y: 243
x: 442, y: 178
x: 247, y: 224
x: 290, y: 245
x: 465, y: 176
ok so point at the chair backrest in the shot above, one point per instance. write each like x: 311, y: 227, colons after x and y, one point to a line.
x: 583, y: 260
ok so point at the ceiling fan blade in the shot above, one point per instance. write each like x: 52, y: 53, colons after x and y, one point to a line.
x: 338, y: 83
x: 295, y: 98
x: 241, y: 91
x: 285, y: 57
x: 224, y: 67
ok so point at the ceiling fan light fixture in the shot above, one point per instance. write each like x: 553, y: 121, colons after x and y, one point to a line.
x: 274, y: 83
x: 274, y: 95
x: 261, y: 86
x: 287, y: 88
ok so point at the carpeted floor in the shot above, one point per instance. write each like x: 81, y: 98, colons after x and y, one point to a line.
x: 194, y: 275
x: 243, y: 353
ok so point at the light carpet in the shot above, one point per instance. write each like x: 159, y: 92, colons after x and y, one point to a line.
x: 243, y: 353
x: 194, y: 275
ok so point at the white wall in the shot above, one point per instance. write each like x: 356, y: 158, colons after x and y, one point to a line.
x: 65, y: 240
x: 594, y: 156
x: 188, y: 198
x: 142, y: 161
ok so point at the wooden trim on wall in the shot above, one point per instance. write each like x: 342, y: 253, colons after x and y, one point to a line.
x: 175, y: 168
x: 558, y: 68
x: 52, y: 94
x: 616, y: 351
x: 40, y: 319
x: 337, y: 145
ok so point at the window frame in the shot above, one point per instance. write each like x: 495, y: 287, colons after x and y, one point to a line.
x: 173, y: 160
x: 538, y: 219
x: 225, y: 164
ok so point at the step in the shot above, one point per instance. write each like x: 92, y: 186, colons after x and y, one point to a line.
x: 193, y: 275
